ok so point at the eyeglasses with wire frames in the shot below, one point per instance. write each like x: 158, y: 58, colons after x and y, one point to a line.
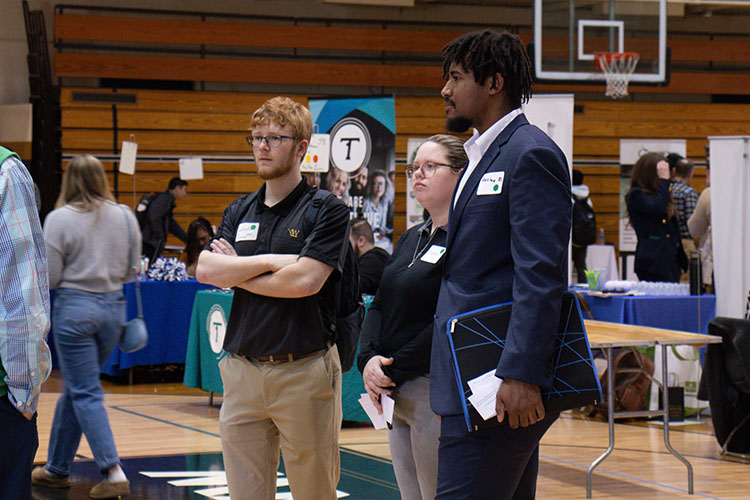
x: 428, y: 168
x: 273, y: 141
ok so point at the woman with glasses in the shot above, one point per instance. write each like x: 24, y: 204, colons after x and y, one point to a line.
x: 397, y: 334
x: 92, y: 246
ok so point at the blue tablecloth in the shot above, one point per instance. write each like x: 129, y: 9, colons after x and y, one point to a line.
x: 684, y: 313
x: 166, y: 309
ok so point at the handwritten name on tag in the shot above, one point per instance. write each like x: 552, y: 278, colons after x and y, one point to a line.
x: 248, y: 231
x: 491, y: 183
x: 433, y: 255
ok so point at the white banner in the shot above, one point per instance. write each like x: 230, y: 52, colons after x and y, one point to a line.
x: 730, y: 219
x: 553, y: 113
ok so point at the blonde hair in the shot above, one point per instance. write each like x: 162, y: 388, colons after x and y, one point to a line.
x: 84, y: 184
x: 454, y: 148
x: 285, y: 111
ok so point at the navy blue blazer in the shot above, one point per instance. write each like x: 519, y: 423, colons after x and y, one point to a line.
x: 511, y: 246
x: 658, y: 235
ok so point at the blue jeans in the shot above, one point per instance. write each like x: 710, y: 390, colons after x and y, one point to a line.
x: 87, y: 327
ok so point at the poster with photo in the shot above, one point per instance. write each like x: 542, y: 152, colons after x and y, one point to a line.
x: 362, y: 133
x: 414, y: 209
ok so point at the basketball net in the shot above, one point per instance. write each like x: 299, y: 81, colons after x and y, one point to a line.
x: 617, y: 68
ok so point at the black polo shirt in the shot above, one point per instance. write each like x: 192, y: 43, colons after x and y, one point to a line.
x: 260, y: 325
x: 398, y: 324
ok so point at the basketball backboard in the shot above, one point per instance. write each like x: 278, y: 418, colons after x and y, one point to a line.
x: 568, y: 33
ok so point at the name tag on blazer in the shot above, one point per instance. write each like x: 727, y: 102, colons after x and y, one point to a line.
x: 491, y: 183
x: 247, y: 231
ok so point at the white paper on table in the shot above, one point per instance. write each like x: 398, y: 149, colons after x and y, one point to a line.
x: 483, y: 393
x: 191, y: 168
x: 378, y: 420
x: 388, y: 404
x: 127, y: 157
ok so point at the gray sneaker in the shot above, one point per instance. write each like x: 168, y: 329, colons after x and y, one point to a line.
x: 109, y: 489
x: 40, y: 477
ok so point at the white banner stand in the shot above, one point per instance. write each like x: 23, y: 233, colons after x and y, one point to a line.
x: 730, y: 220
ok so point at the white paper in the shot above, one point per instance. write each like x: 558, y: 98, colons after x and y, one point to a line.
x: 127, y: 157
x: 191, y: 168
x: 318, y: 154
x: 388, y: 404
x: 483, y: 393
x: 378, y: 419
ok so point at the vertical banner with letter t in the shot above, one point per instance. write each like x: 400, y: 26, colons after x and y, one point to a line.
x: 362, y: 134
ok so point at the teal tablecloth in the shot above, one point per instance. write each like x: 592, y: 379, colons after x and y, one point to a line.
x: 208, y: 323
x: 207, y: 327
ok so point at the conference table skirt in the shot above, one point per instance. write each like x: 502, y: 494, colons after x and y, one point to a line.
x: 687, y: 313
x: 166, y: 309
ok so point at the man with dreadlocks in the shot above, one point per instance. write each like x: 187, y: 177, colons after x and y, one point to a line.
x: 507, y: 242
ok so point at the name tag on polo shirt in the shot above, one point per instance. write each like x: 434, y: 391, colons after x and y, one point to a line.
x: 248, y: 231
x: 433, y: 255
x: 491, y: 183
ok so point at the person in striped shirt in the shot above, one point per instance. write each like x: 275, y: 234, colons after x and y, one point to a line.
x: 25, y: 361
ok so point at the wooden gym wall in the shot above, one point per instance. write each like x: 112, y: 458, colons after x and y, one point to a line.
x: 214, y: 124
x: 174, y: 123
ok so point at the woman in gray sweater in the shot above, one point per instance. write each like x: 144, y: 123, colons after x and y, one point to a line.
x: 90, y: 256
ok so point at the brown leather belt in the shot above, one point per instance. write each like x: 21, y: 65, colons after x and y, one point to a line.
x: 284, y: 358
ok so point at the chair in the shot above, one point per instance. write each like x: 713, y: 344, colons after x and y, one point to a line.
x: 725, y: 384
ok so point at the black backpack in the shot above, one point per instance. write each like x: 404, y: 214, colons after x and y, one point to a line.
x: 584, y: 223
x: 142, y: 208
x: 349, y: 306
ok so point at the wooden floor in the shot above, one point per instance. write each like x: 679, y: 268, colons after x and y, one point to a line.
x: 167, y: 419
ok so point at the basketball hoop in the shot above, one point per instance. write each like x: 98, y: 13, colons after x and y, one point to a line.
x: 617, y: 68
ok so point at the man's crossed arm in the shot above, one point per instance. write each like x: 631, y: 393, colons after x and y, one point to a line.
x: 272, y: 275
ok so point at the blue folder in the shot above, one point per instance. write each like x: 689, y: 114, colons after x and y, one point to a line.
x: 477, y: 340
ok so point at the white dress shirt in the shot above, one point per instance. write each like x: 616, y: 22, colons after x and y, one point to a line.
x: 478, y: 145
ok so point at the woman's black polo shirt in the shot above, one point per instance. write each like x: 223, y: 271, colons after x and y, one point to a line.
x: 260, y: 325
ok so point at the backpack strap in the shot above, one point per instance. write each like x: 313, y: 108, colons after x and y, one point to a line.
x: 313, y: 209
x: 308, y: 223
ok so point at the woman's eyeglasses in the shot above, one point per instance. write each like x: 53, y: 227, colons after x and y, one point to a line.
x: 428, y: 168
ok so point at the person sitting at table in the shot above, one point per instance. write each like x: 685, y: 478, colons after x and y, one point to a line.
x: 370, y: 259
x: 397, y: 334
x: 199, y: 234
x: 92, y: 246
x: 654, y: 220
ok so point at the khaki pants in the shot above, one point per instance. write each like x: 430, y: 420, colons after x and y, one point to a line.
x: 295, y: 406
